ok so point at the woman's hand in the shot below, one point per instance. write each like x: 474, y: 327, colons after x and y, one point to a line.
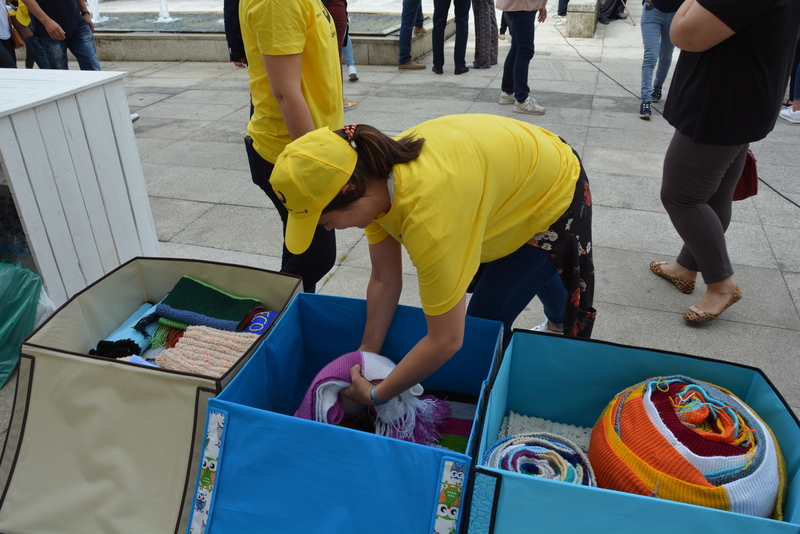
x: 359, y: 388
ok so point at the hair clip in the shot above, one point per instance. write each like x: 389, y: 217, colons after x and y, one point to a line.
x: 350, y: 133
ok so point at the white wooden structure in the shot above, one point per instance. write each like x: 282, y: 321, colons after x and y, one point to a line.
x: 69, y: 155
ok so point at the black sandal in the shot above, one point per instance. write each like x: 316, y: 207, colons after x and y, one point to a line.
x: 788, y: 102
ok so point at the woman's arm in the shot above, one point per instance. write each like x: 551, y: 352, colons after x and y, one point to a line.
x: 383, y: 292
x: 696, y: 29
x: 444, y: 338
x: 285, y: 76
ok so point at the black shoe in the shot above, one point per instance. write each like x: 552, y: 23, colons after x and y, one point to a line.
x: 461, y: 70
x: 656, y: 96
x: 621, y: 15
x: 437, y: 70
x: 602, y: 21
x: 644, y: 110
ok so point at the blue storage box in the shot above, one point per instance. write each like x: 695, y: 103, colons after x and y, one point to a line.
x: 269, y: 471
x: 571, y: 381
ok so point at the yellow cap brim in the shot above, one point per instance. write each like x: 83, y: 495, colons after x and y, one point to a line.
x: 300, y: 232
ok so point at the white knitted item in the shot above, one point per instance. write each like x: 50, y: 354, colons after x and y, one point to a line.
x: 515, y: 424
x: 206, y: 351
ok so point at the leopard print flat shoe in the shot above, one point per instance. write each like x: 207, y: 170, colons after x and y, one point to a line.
x: 696, y: 315
x: 684, y: 286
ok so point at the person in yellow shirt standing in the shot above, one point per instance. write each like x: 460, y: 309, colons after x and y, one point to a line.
x: 296, y: 87
x: 458, y: 192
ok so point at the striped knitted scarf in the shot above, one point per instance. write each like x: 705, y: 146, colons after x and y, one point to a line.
x: 689, y: 441
x: 126, y: 340
x: 541, y: 455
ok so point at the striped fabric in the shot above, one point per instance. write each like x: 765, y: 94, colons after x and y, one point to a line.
x: 541, y: 455
x: 684, y: 440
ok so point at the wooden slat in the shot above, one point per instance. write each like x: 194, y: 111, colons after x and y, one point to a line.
x: 103, y: 148
x: 45, y: 190
x: 53, y: 127
x: 32, y: 223
x: 89, y: 187
x: 132, y: 167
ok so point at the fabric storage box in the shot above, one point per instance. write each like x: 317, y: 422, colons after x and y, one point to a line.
x: 571, y: 381
x: 278, y: 473
x: 100, y: 445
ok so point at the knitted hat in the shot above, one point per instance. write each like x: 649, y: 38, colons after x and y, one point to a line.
x: 308, y: 174
x: 407, y: 416
x: 689, y: 441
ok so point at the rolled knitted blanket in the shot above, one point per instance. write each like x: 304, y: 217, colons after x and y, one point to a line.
x: 206, y: 351
x: 541, y: 454
x: 407, y: 417
x: 197, y: 303
x: 126, y: 340
x: 685, y: 440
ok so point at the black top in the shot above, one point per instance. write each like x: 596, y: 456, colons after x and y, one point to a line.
x: 731, y: 93
x: 233, y: 29
x: 64, y: 12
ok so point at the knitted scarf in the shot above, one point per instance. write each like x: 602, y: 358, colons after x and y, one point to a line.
x: 206, y: 351
x: 684, y: 440
x: 408, y: 416
x: 126, y: 340
x: 197, y: 303
x: 541, y: 455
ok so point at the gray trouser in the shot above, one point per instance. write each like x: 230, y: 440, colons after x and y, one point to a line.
x: 696, y: 190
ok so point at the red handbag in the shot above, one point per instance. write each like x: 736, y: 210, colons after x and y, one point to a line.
x: 748, y: 181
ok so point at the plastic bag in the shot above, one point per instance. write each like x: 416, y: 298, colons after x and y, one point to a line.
x: 45, y: 309
x: 19, y: 298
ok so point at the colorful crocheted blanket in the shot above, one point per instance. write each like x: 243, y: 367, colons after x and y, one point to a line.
x: 126, y: 340
x: 541, y: 455
x: 197, y: 303
x: 684, y: 440
x: 409, y: 416
x: 206, y: 351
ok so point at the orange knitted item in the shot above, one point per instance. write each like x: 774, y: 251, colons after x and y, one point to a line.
x: 685, y: 440
x: 206, y: 351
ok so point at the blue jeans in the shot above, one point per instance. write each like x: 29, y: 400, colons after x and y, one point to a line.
x: 315, y: 262
x: 507, y: 285
x: 412, y: 16
x: 80, y: 42
x: 440, y: 10
x: 657, y: 49
x: 515, y: 69
x: 347, y: 52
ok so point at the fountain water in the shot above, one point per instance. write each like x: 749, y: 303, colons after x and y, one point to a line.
x: 94, y: 7
x: 163, y: 14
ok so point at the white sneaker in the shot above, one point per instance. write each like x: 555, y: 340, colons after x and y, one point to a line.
x: 791, y: 116
x: 529, y: 106
x: 351, y: 70
x: 545, y: 327
x: 506, y: 98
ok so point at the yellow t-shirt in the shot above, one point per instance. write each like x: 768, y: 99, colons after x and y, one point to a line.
x: 282, y: 27
x: 482, y: 186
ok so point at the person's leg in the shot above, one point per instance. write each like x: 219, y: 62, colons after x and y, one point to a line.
x: 666, y: 48
x: 507, y: 82
x: 8, y: 57
x: 39, y: 52
x: 407, y: 21
x: 696, y: 191
x: 420, y: 18
x: 793, y: 78
x: 461, y: 8
x: 553, y: 296
x: 81, y: 44
x: 315, y: 262
x: 440, y: 11
x: 607, y: 10
x: 651, y: 32
x: 347, y: 53
x: 562, y: 8
x: 507, y: 285
x: 55, y: 51
x: 523, y: 24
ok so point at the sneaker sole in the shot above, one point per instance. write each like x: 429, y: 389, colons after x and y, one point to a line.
x: 644, y: 117
x: 529, y: 112
x: 793, y: 121
x: 504, y: 103
x: 353, y: 78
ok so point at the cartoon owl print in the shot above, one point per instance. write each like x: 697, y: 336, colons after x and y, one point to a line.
x: 201, y: 501
x: 208, y: 473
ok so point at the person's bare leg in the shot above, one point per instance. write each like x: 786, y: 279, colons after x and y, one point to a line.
x: 717, y: 296
x: 676, y: 270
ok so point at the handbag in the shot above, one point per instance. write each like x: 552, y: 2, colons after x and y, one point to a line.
x: 16, y: 38
x: 747, y: 186
x: 24, y: 31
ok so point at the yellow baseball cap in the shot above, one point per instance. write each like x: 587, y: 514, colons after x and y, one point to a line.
x: 308, y: 174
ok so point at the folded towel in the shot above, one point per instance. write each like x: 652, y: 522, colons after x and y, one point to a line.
x: 541, y: 455
x: 206, y: 351
x: 260, y: 322
x: 126, y: 340
x: 407, y: 416
x: 684, y: 440
x: 197, y: 303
